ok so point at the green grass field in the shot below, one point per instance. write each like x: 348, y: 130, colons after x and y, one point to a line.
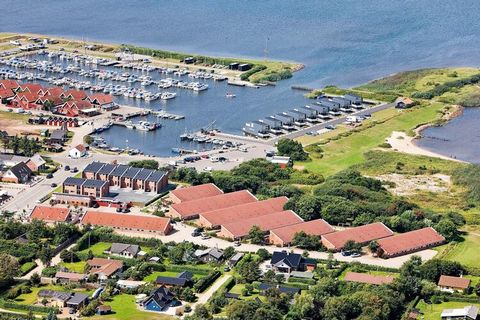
x: 97, y: 249
x: 152, y: 277
x: 433, y: 311
x: 466, y: 252
x: 124, y: 308
x: 349, y: 150
x: 78, y: 267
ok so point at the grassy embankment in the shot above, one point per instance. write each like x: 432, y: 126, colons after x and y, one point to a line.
x: 433, y: 311
x: 265, y: 70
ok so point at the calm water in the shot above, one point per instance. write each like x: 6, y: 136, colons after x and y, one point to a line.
x: 340, y: 42
x: 460, y: 137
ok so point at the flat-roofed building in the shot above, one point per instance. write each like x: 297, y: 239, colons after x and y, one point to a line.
x: 240, y: 229
x: 284, y: 236
x: 216, y: 218
x: 408, y: 242
x: 128, y: 222
x: 192, y: 209
x: 194, y: 192
x: 363, y: 235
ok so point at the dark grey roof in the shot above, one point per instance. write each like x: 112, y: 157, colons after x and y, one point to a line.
x: 131, y: 172
x: 21, y: 170
x: 185, y: 275
x: 266, y: 286
x: 71, y: 181
x: 162, y: 296
x: 144, y: 174
x: 291, y: 259
x: 171, y: 281
x: 57, y: 134
x: 63, y: 296
x: 94, y: 167
x: 156, y: 176
x: 77, y: 298
x: 230, y: 295
x: 216, y: 253
x: 90, y: 183
x: 121, y: 247
x: 119, y: 170
x: 106, y: 169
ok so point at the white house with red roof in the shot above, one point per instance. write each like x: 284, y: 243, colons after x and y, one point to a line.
x: 78, y: 152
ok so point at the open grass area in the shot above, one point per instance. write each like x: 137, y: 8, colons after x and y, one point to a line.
x: 372, y: 272
x: 124, y: 308
x: 97, y: 249
x: 31, y: 298
x: 78, y: 267
x: 27, y: 266
x: 346, y: 150
x: 14, y: 116
x: 466, y: 252
x: 152, y: 277
x: 433, y: 311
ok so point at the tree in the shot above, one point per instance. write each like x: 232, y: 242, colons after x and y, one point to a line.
x: 188, y: 295
x: 373, y: 246
x: 146, y: 164
x: 269, y: 276
x: 8, y: 269
x: 51, y: 316
x: 240, y: 310
x: 200, y: 313
x: 448, y: 229
x: 292, y: 149
x: 249, y: 270
x: 45, y: 255
x: 352, y: 246
x: 306, y: 241
x: 279, y: 278
x: 256, y: 235
x: 263, y: 254
x: 308, y: 207
x: 428, y: 289
x: 228, y: 252
x: 35, y: 279
x: 477, y: 289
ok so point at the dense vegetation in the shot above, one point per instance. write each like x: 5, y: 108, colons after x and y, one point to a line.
x: 292, y: 149
x: 469, y: 177
x: 146, y: 164
x: 440, y: 89
x: 22, y: 145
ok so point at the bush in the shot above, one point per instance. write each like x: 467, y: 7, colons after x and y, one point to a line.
x: 205, y: 282
x: 292, y: 149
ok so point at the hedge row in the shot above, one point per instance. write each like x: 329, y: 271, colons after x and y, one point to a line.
x: 180, y: 268
x: 107, y: 235
x: 301, y: 280
x: 18, y: 306
x: 252, y: 71
x: 445, y: 87
x: 459, y: 298
x: 205, y: 282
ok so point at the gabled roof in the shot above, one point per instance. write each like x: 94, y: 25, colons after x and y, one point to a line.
x: 290, y: 290
x: 100, y: 99
x: 6, y: 93
x: 94, y: 166
x: 130, y: 221
x: 81, y: 148
x: 454, y: 282
x: 367, y: 278
x: 118, y: 248
x: 213, y: 252
x: 104, y: 266
x: 37, y: 160
x: 467, y: 312
x: 119, y: 170
x: 171, y: 281
x: 362, y: 234
x: 77, y: 298
x: 31, y: 87
x: 131, y: 172
x: 75, y: 94
x: 144, y: 174
x: 156, y: 176
x: 54, y: 91
x: 79, y: 104
x: 106, y: 169
x: 292, y: 260
x: 70, y: 276
x: 162, y: 297
x: 266, y: 222
x: 72, y: 181
x: 410, y: 241
x: 195, y: 207
x: 196, y: 192
x: 244, y: 211
x: 9, y: 84
x: 314, y: 227
x: 91, y: 183
x: 20, y: 170
x: 27, y: 96
x: 50, y: 213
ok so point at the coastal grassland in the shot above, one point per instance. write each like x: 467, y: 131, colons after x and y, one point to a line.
x: 466, y: 252
x: 348, y: 148
x: 432, y: 311
x: 124, y: 308
x: 4, y: 115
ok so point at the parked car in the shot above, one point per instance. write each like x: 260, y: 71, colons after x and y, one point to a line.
x: 67, y: 168
x: 205, y: 236
x: 356, y: 255
x: 226, y: 268
x: 53, y: 185
x: 49, y: 176
x: 196, y: 234
x: 236, y: 244
x: 330, y: 127
x: 346, y: 253
x: 74, y: 170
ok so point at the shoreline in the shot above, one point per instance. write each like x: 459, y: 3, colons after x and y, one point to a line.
x: 401, y: 142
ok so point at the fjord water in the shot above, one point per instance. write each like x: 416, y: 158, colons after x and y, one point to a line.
x: 344, y: 43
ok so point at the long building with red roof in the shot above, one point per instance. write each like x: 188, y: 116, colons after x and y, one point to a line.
x: 362, y: 235
x: 129, y: 222
x: 216, y: 218
x: 240, y: 229
x: 194, y: 192
x: 409, y: 242
x: 284, y: 236
x: 191, y: 209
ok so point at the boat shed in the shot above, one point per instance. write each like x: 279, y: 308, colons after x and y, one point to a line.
x: 256, y: 128
x: 344, y: 103
x: 321, y: 109
x: 309, y: 112
x: 332, y: 106
x: 354, y: 99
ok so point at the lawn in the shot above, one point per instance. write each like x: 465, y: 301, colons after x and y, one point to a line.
x: 152, y: 277
x: 124, y: 308
x: 27, y: 267
x: 78, y: 267
x: 465, y: 252
x: 372, y: 272
x: 433, y: 311
x: 348, y: 150
x: 97, y: 249
x: 31, y: 298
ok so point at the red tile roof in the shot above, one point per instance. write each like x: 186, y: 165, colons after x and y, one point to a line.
x: 127, y: 221
x: 317, y: 227
x: 196, y: 192
x: 81, y: 148
x: 27, y: 96
x: 267, y: 222
x: 9, y: 84
x: 244, y: 211
x: 6, y: 93
x: 410, y: 241
x: 368, y: 278
x: 75, y: 94
x: 31, y: 87
x: 79, y: 104
x: 54, y: 91
x: 193, y: 208
x: 362, y: 234
x: 100, y: 99
x: 454, y: 282
x: 50, y: 213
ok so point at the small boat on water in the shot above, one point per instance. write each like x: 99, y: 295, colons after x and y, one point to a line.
x: 168, y: 95
x: 230, y: 95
